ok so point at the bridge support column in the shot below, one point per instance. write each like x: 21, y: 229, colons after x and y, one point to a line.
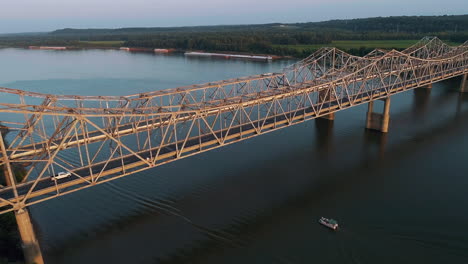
x: 429, y: 86
x: 378, y: 121
x: 31, y: 249
x: 330, y: 116
x: 464, y: 83
x: 327, y: 97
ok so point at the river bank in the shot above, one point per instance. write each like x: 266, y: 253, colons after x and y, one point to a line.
x: 161, y: 51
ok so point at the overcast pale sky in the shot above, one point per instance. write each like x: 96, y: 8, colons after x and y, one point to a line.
x: 46, y: 15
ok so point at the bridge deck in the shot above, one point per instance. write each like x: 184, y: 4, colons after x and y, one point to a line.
x: 330, y: 79
x: 111, y: 169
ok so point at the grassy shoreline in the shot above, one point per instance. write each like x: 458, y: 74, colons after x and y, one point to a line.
x: 277, y: 51
x: 355, y: 47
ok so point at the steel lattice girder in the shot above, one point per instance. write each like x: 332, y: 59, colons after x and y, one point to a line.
x: 98, y: 139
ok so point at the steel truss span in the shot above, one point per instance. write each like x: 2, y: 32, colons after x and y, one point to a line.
x: 101, y: 138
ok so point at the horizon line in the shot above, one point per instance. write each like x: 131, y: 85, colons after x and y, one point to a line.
x: 218, y: 25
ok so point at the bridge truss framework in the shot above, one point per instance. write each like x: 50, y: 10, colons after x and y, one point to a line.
x: 102, y: 138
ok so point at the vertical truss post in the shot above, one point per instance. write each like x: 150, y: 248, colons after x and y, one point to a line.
x: 386, y: 115
x: 376, y: 121
x: 9, y: 175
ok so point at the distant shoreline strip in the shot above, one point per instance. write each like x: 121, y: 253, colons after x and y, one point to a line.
x: 228, y: 56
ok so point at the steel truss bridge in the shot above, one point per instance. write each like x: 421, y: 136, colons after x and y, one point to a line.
x: 102, y: 138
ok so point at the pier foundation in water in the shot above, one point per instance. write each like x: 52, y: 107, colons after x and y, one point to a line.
x: 31, y: 249
x: 327, y: 96
x: 330, y: 116
x: 377, y: 121
x: 464, y: 83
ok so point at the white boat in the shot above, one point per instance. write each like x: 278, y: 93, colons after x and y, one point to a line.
x: 330, y: 223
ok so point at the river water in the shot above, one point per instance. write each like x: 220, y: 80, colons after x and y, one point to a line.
x: 399, y: 198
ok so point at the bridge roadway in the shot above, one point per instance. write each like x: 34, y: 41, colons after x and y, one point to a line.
x: 224, y: 106
x: 108, y: 170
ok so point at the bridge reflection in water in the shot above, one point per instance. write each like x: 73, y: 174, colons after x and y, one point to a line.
x: 111, y: 137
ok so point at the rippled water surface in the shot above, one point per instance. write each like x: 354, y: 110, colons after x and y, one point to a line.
x: 399, y: 198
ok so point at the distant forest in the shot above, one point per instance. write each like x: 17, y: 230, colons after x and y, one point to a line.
x: 276, y: 39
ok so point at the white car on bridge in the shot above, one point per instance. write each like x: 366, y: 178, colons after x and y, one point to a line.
x: 61, y: 175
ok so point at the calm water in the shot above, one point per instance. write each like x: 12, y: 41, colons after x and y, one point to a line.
x: 399, y: 198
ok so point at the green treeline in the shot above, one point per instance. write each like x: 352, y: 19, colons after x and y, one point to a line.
x: 275, y: 39
x: 248, y: 42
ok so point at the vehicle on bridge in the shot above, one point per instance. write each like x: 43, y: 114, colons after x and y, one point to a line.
x: 61, y: 175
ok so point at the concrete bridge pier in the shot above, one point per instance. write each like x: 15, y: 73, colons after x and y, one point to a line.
x: 377, y: 121
x: 464, y: 83
x: 330, y: 116
x: 31, y: 250
x: 327, y: 96
x: 429, y: 86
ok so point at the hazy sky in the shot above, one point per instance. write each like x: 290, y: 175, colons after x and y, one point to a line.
x: 46, y: 15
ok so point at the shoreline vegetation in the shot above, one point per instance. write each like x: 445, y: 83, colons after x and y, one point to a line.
x: 298, y: 40
x: 355, y: 47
